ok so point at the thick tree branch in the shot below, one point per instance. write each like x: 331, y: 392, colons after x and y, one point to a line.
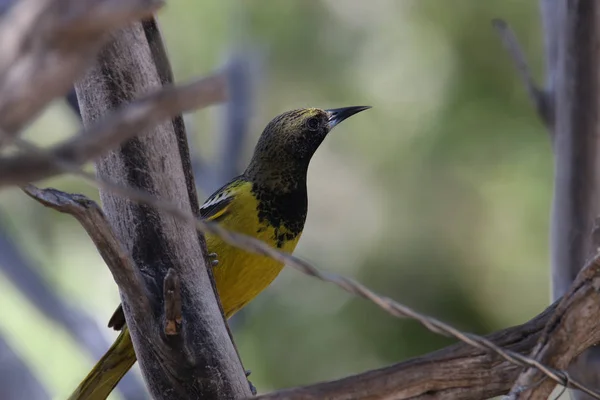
x: 572, y: 33
x: 47, y: 44
x: 455, y: 372
x: 114, y: 129
x: 574, y: 327
x: 555, y: 338
x: 200, y: 361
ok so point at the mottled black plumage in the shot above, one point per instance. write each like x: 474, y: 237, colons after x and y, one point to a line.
x: 280, y: 163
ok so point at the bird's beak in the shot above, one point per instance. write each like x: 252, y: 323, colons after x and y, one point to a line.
x: 337, y: 115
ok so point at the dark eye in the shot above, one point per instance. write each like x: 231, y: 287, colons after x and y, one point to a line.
x: 312, y: 124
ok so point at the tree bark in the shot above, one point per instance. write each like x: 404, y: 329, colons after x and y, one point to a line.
x: 572, y: 32
x: 200, y: 361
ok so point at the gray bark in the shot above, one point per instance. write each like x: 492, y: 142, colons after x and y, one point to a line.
x: 572, y: 36
x: 201, y: 361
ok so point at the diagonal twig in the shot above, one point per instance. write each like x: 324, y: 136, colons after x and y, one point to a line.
x: 540, y: 98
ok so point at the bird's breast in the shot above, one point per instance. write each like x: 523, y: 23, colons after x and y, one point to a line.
x: 240, y: 275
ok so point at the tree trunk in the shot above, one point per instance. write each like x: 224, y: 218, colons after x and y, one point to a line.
x: 572, y: 30
x: 200, y: 362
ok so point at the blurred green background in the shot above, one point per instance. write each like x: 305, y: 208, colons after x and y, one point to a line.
x: 438, y: 197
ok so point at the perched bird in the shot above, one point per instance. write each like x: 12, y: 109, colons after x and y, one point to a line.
x: 268, y: 201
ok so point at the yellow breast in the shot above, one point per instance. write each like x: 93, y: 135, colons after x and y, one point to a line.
x: 240, y: 276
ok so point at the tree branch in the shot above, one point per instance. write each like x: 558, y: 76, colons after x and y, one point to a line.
x: 455, y: 372
x: 542, y: 100
x: 47, y: 44
x: 574, y: 327
x: 201, y: 361
x: 572, y: 33
x: 113, y: 129
x: 91, y: 217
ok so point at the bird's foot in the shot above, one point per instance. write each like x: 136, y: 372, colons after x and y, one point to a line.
x: 252, y: 387
x: 214, y: 261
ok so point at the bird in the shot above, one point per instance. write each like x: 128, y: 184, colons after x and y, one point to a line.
x: 268, y: 201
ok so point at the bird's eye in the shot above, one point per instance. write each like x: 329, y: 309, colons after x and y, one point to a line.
x: 312, y: 124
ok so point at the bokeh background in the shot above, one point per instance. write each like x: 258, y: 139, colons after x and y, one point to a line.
x: 438, y: 197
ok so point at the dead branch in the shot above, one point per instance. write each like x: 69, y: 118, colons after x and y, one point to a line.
x: 91, y: 217
x: 201, y: 360
x: 542, y: 101
x: 574, y: 327
x: 114, y: 129
x: 455, y: 372
x: 571, y: 32
x: 47, y: 44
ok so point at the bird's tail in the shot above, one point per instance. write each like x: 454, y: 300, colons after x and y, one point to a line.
x: 107, y: 372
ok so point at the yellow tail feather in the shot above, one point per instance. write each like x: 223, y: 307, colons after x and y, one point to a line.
x: 107, y: 372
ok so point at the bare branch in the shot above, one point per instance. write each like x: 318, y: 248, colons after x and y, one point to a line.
x: 541, y: 100
x: 201, y: 360
x: 572, y: 33
x: 114, y: 129
x: 91, y: 217
x: 172, y: 294
x: 47, y: 44
x: 574, y: 327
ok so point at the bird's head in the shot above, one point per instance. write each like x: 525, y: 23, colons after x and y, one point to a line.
x: 289, y: 141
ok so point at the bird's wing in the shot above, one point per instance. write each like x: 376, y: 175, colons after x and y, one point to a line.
x: 218, y: 205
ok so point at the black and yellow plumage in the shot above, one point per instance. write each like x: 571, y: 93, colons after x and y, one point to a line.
x: 268, y: 201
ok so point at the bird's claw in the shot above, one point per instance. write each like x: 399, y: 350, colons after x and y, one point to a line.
x: 252, y: 387
x: 214, y: 260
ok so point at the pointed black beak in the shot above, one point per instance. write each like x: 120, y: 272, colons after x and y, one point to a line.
x: 337, y: 115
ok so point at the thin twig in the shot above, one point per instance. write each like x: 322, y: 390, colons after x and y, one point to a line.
x: 538, y: 96
x: 256, y: 246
